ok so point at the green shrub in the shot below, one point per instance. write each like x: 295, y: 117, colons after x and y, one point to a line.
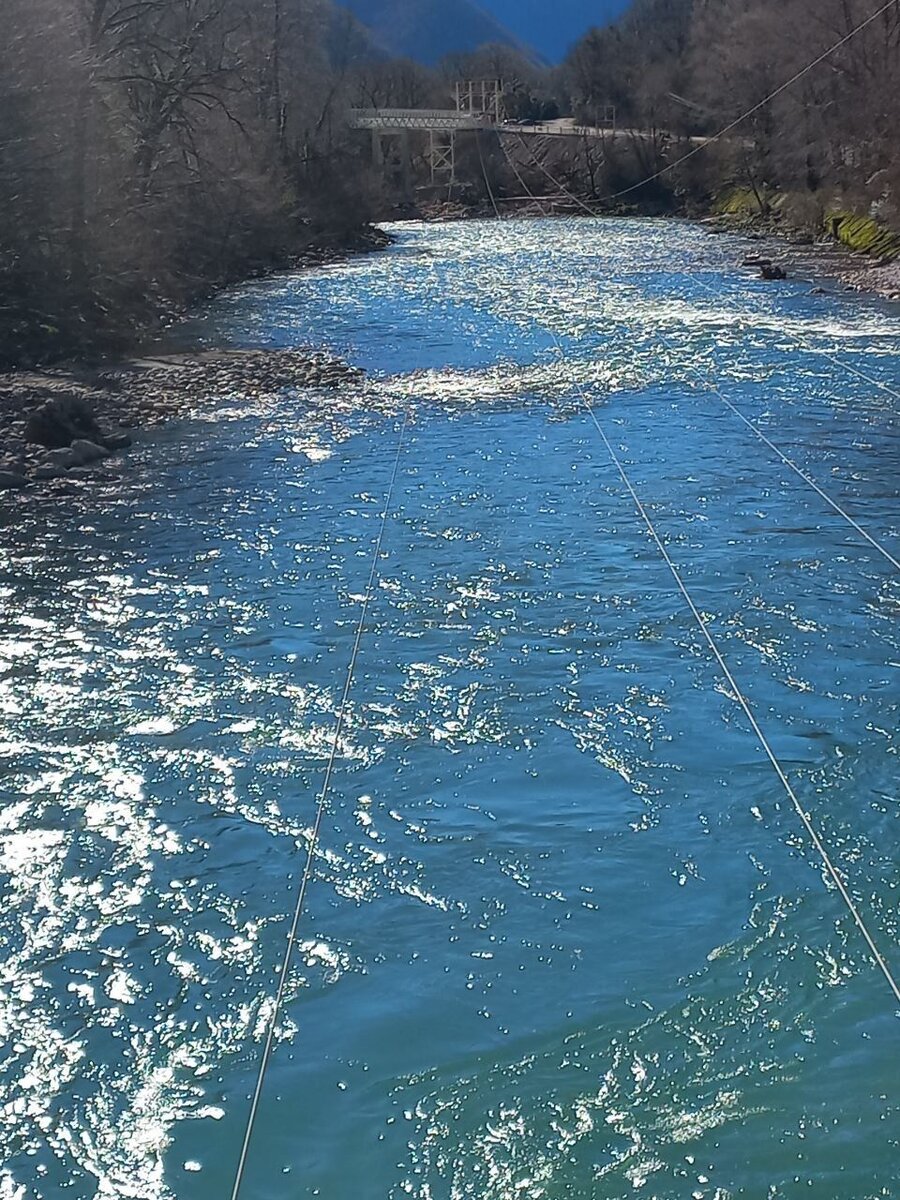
x: 863, y: 234
x: 741, y: 202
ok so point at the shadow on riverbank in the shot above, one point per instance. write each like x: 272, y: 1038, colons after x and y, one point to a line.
x: 69, y: 419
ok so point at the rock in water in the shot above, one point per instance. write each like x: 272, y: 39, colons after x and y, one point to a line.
x: 61, y: 459
x: 61, y: 421
x: 88, y: 452
x: 10, y: 480
x: 771, y: 272
x: 117, y: 441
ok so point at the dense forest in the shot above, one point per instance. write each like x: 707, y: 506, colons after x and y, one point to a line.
x: 151, y: 150
x: 689, y: 67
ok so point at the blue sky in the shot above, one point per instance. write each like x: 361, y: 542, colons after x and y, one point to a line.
x: 551, y: 26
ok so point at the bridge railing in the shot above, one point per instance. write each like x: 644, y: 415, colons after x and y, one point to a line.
x: 417, y: 118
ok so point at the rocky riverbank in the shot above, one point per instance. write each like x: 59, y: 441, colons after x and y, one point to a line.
x: 815, y: 249
x: 62, y: 425
x: 816, y: 260
x: 779, y: 246
x: 883, y: 278
x: 32, y: 338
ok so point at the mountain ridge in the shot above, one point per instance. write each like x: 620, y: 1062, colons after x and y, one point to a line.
x: 427, y: 30
x: 553, y: 38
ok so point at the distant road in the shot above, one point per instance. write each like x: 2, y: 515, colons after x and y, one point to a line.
x: 567, y: 127
x: 562, y: 127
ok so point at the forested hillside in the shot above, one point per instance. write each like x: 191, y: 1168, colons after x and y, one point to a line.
x: 554, y: 28
x: 151, y: 150
x: 427, y: 30
x: 680, y: 67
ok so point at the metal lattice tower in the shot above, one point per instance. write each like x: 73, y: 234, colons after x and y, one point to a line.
x: 442, y: 156
x: 479, y: 105
x: 481, y: 98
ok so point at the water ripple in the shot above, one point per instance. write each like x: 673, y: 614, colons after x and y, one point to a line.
x: 564, y: 937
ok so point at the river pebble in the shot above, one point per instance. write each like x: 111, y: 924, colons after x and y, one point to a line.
x: 139, y: 394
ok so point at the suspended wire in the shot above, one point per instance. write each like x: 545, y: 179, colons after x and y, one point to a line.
x: 846, y: 367
x: 593, y: 212
x: 858, y: 29
x: 537, y: 162
x: 838, y: 45
x: 831, y: 869
x: 809, y: 479
x: 484, y: 172
x: 789, y: 462
x: 317, y: 826
x: 518, y: 174
x: 804, y: 345
x: 732, y: 125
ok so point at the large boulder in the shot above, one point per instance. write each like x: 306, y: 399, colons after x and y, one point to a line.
x: 12, y: 480
x: 61, y: 421
x: 61, y: 459
x: 88, y: 452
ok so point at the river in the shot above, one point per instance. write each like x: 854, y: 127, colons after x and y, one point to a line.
x: 566, y: 935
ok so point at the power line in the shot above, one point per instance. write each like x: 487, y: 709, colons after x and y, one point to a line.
x: 750, y: 425
x: 732, y: 125
x: 833, y: 872
x: 846, y: 367
x: 342, y: 711
x: 484, y: 172
x: 788, y: 461
x: 809, y: 479
x: 317, y: 826
x: 537, y: 162
x: 592, y: 212
x: 830, y: 867
x: 804, y: 345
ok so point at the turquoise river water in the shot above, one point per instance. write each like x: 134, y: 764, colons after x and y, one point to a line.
x: 566, y: 936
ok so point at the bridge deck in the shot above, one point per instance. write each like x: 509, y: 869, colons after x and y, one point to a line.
x: 438, y: 119
x: 448, y: 120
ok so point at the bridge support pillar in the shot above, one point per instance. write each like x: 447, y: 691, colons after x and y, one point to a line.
x: 442, y: 156
x: 406, y: 167
x: 398, y: 161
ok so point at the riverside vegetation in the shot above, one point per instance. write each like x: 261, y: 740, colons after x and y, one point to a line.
x: 821, y: 160
x: 153, y: 151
